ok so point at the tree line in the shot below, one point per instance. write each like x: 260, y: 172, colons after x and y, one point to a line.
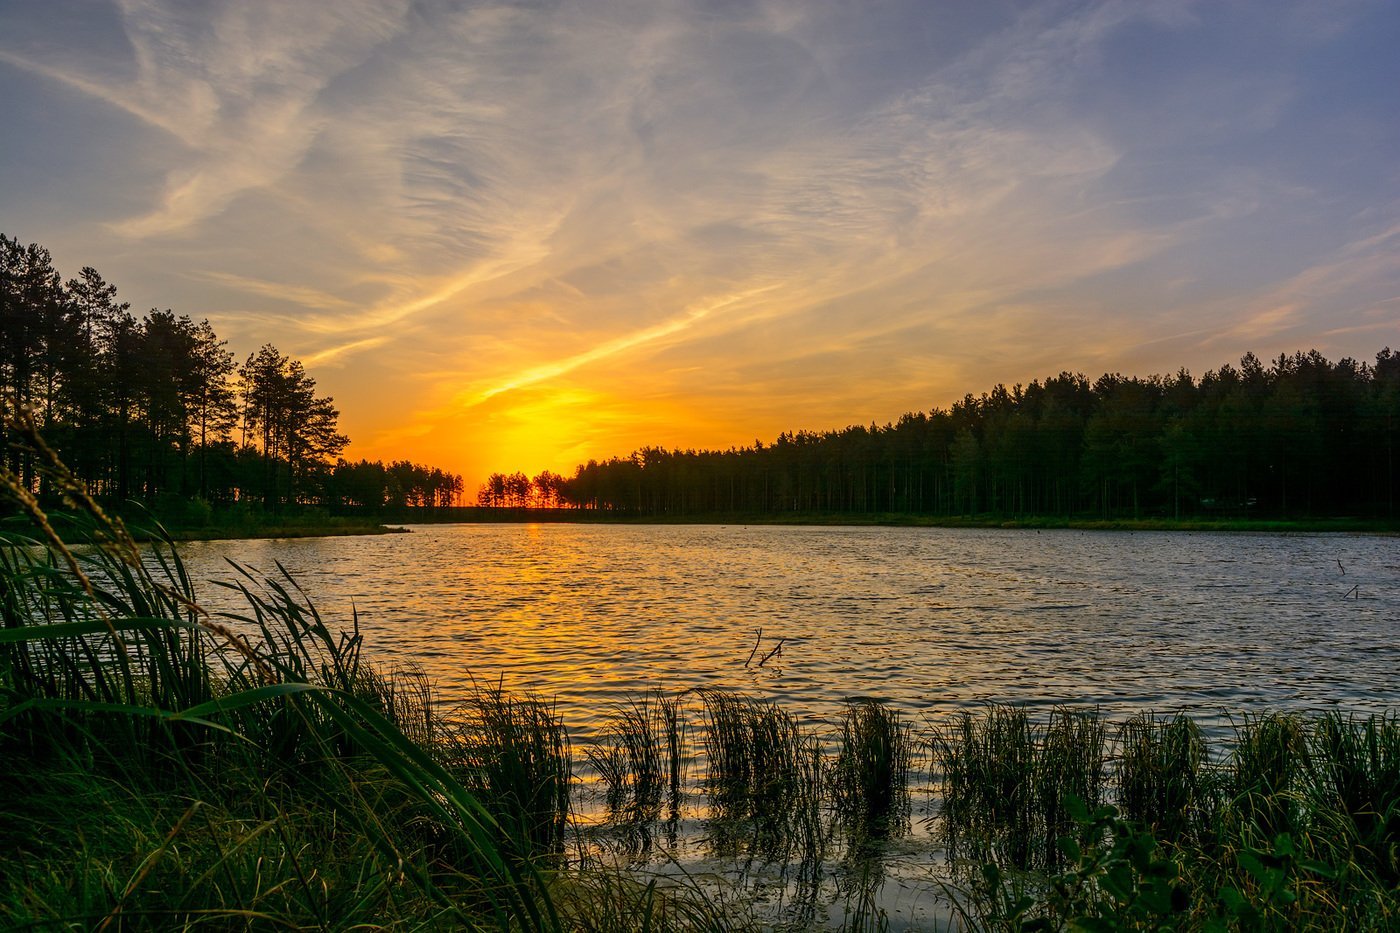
x: 156, y: 407
x: 1300, y: 436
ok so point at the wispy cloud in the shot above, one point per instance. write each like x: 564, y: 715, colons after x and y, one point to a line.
x: 303, y: 295
x: 331, y: 354
x: 745, y: 219
x: 618, y: 345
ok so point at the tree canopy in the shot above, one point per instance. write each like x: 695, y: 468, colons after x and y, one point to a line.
x: 1299, y: 436
x: 155, y: 407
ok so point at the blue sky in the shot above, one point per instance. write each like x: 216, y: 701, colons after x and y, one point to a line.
x: 518, y: 235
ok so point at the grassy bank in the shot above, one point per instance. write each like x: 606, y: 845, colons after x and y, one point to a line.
x: 164, y: 769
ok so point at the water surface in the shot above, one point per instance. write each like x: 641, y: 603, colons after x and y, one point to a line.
x: 930, y: 619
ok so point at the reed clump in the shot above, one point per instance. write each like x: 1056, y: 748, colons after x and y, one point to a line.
x: 1353, y: 783
x: 639, y: 756
x: 1297, y: 827
x: 1161, y: 778
x: 870, y: 777
x: 763, y: 781
x: 514, y: 753
x: 1006, y: 779
x: 163, y: 768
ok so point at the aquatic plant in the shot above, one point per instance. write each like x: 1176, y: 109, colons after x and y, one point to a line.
x: 1353, y: 784
x: 763, y: 780
x: 870, y: 778
x: 635, y: 752
x: 514, y: 753
x: 988, y: 766
x: 1069, y: 766
x: 1160, y: 776
x: 1261, y: 784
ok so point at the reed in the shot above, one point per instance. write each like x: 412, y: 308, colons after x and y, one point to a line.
x: 870, y: 777
x: 1161, y: 779
x: 1070, y: 764
x: 763, y: 780
x: 1262, y: 783
x: 514, y: 753
x: 1353, y: 785
x: 988, y: 764
x: 637, y: 750
x: 752, y: 751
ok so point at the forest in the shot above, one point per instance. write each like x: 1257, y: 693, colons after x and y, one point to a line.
x: 156, y: 408
x: 1298, y: 437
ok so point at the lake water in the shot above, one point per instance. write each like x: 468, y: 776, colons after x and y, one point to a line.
x: 929, y: 619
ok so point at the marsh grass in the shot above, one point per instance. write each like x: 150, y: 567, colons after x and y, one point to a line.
x: 638, y: 756
x: 988, y: 763
x: 1263, y: 781
x: 1161, y: 777
x: 1070, y: 765
x: 1006, y: 780
x: 514, y: 752
x: 1296, y: 827
x: 764, y: 777
x: 1353, y: 779
x: 870, y: 777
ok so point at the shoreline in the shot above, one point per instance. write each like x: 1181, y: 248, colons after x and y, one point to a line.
x: 1232, y: 525
x: 143, y: 528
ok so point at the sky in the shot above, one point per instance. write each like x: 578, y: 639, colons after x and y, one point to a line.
x: 520, y: 235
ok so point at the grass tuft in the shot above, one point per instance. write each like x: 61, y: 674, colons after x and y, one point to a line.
x: 870, y: 777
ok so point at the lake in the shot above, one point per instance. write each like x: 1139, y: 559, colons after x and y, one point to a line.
x: 930, y: 619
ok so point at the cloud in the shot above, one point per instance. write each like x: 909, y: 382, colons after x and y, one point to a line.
x: 689, y: 207
x: 237, y: 84
x: 302, y: 295
x: 331, y: 354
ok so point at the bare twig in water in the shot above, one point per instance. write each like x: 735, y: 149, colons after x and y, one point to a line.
x: 758, y: 638
x: 777, y: 649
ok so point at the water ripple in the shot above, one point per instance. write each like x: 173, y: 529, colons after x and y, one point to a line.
x: 930, y: 619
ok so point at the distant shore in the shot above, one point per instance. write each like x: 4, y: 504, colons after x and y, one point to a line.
x: 235, y: 527
x: 472, y: 515
x: 217, y: 528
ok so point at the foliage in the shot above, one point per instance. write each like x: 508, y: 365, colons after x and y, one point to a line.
x: 1301, y: 436
x: 154, y: 408
x: 870, y: 777
x: 1296, y: 828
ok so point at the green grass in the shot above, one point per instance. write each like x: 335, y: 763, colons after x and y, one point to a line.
x: 1296, y: 827
x: 870, y: 777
